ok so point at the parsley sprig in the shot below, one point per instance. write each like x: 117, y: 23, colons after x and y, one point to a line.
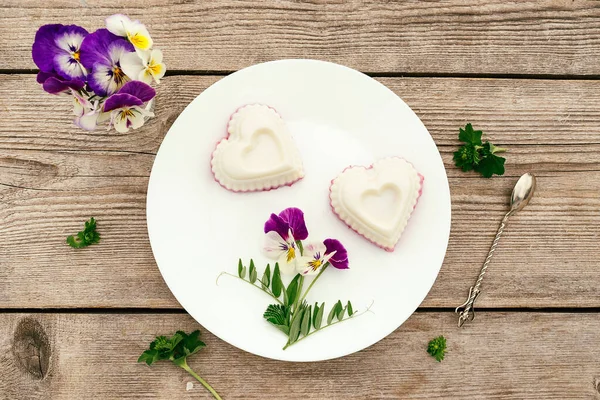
x: 476, y: 155
x: 437, y: 348
x: 86, y: 237
x: 177, y: 349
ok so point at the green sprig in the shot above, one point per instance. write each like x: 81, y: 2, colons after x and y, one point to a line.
x: 85, y: 237
x: 476, y: 155
x: 177, y: 349
x: 437, y: 348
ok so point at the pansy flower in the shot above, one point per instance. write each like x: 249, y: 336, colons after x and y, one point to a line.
x: 126, y: 106
x: 282, y: 231
x: 56, y: 84
x: 317, y: 255
x: 134, y: 31
x: 101, y: 54
x: 57, y: 48
x: 144, y: 65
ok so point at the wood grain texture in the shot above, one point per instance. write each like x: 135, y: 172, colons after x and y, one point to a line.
x: 53, y: 177
x: 556, y: 37
x: 502, y: 356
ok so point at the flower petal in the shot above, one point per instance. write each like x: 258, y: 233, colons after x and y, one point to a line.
x: 42, y: 76
x: 141, y: 90
x: 340, y: 258
x: 287, y: 268
x: 138, y: 118
x: 68, y: 67
x: 87, y: 121
x: 120, y: 121
x: 274, y: 245
x: 139, y: 36
x: 315, y: 249
x: 44, y: 48
x: 117, y: 24
x: 156, y: 57
x: 295, y: 219
x: 132, y: 65
x: 157, y: 71
x: 55, y: 85
x: 276, y: 224
x: 101, y: 80
x: 121, y: 100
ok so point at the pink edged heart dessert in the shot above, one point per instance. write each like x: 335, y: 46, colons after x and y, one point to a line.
x: 377, y: 201
x: 258, y: 152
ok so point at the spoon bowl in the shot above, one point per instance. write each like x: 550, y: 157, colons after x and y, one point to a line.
x: 522, y: 192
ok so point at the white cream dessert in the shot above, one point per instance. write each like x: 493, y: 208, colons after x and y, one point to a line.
x: 258, y: 153
x: 377, y: 201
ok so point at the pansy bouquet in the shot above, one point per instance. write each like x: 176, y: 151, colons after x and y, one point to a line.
x: 108, y: 72
x: 285, y: 234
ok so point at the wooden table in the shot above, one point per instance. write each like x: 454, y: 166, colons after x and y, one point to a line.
x: 72, y: 323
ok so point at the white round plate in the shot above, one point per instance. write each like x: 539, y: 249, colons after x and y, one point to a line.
x: 338, y: 117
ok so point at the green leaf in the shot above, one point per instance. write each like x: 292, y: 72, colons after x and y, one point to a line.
x: 315, y: 312
x: 318, y: 320
x: 86, y: 237
x: 340, y: 310
x: 349, y: 307
x: 437, y: 348
x: 276, y: 314
x: 252, y: 274
x: 243, y: 273
x: 266, y: 279
x: 276, y: 284
x: 240, y: 268
x: 332, y: 314
x: 295, y: 328
x: 491, y: 164
x: 292, y: 290
x: 469, y: 135
x: 306, y: 317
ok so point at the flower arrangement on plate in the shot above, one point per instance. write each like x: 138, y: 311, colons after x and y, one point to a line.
x: 285, y: 234
x: 108, y: 72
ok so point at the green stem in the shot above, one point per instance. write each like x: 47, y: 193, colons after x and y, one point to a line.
x: 202, y: 381
x: 267, y: 290
x: 300, y: 247
x: 313, y: 282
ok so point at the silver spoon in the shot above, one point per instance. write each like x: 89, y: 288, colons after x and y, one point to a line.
x: 521, y: 194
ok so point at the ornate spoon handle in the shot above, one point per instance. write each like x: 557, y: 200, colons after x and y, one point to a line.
x: 468, y: 312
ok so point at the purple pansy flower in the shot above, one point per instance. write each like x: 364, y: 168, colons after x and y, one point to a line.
x: 56, y: 84
x: 125, y: 107
x: 282, y: 231
x: 339, y: 254
x: 101, y: 54
x: 56, y: 48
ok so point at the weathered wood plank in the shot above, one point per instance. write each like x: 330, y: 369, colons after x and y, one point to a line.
x: 547, y: 257
x: 52, y: 179
x: 510, y: 111
x: 500, y: 356
x: 479, y: 36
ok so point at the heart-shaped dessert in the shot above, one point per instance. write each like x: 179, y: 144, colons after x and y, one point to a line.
x: 377, y: 201
x: 258, y: 152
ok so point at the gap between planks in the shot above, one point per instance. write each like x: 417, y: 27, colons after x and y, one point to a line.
x: 406, y: 74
